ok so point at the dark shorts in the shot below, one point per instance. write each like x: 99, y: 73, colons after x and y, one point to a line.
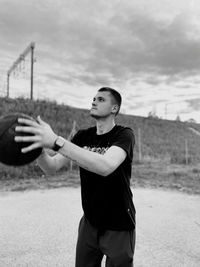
x: 93, y: 244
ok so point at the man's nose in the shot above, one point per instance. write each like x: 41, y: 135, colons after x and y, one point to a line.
x: 94, y: 103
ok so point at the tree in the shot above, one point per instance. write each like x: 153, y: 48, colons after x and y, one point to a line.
x: 191, y: 121
x: 178, y: 118
x: 152, y: 114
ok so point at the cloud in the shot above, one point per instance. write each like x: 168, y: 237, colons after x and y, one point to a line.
x: 148, y: 49
x: 194, y: 104
x: 136, y: 44
x: 109, y: 46
x: 22, y: 19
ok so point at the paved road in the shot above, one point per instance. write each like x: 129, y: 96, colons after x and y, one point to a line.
x: 39, y: 228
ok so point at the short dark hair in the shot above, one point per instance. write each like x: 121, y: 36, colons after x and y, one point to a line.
x: 116, y: 96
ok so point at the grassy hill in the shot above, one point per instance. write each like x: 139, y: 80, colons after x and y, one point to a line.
x: 161, y: 142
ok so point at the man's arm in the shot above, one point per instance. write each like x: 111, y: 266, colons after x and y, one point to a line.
x: 51, y: 164
x: 91, y: 161
x: 44, y: 136
x: 100, y: 164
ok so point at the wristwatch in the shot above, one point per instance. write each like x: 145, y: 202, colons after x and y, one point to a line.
x: 60, y: 141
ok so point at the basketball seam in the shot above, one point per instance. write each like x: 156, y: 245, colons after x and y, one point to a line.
x: 8, y: 127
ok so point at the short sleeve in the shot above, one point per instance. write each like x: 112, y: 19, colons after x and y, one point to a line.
x: 125, y: 139
x: 76, y: 139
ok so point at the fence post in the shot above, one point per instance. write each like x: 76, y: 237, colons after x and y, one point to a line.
x: 72, y: 133
x: 139, y: 145
x: 186, y: 151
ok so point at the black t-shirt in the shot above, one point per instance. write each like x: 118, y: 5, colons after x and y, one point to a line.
x: 107, y: 201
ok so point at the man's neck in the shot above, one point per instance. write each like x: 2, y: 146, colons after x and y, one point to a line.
x: 104, y: 126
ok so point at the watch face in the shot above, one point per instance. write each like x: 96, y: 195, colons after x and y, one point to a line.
x: 60, y: 141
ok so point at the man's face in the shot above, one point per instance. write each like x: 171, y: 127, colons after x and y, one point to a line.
x: 102, y: 105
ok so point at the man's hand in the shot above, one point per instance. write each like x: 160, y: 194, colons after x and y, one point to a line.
x: 43, y: 135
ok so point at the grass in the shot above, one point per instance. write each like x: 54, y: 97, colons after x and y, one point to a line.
x: 157, y: 174
x: 182, y: 178
x: 66, y: 179
x: 163, y: 146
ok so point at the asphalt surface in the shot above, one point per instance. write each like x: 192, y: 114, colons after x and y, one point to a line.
x: 39, y: 228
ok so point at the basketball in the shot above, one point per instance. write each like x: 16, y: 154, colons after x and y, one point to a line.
x: 10, y: 150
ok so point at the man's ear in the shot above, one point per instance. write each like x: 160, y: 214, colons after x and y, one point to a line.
x: 115, y: 109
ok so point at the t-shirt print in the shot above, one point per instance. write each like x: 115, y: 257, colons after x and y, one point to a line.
x: 100, y: 150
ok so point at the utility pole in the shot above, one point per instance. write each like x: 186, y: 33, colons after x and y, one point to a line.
x: 21, y: 58
x: 8, y: 79
x: 166, y: 111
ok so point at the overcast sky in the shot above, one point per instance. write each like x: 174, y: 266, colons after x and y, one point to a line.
x: 149, y: 50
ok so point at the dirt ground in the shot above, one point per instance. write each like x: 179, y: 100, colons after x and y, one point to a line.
x: 39, y: 228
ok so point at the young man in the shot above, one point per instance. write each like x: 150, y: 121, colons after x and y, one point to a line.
x: 104, y: 154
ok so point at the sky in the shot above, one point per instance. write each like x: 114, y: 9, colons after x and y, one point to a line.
x: 148, y: 50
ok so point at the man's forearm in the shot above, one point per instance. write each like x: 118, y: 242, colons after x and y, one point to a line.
x: 88, y: 160
x: 47, y: 163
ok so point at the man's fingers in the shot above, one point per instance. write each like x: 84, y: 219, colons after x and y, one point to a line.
x: 27, y: 122
x: 32, y: 138
x: 30, y: 148
x: 40, y: 120
x: 26, y: 129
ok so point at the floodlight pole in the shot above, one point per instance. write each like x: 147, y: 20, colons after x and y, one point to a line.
x: 32, y: 61
x: 18, y: 61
